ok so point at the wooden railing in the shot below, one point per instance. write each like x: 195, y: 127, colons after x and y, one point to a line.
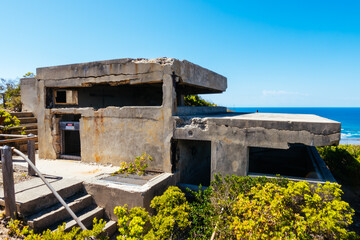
x: 8, y: 178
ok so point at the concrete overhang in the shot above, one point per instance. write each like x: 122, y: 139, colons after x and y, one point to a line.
x: 260, y: 129
x: 133, y: 71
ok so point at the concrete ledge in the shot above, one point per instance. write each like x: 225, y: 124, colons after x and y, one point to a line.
x: 110, y: 195
x: 183, y: 111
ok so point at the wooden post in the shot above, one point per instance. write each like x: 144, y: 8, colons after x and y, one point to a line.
x: 8, y: 182
x: 31, y: 154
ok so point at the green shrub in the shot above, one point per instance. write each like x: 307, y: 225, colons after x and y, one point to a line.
x: 343, y: 161
x: 169, y: 222
x: 9, y: 121
x: 133, y: 224
x: 17, y: 229
x: 264, y: 208
x: 298, y: 211
x: 196, y: 101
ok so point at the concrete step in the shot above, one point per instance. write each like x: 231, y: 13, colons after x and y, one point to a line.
x: 33, y: 195
x: 56, y: 213
x: 22, y: 114
x: 31, y: 131
x: 26, y: 125
x: 86, y: 217
x: 110, y: 228
x: 27, y: 120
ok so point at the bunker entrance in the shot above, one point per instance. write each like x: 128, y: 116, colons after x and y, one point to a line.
x: 293, y: 162
x: 193, y: 161
x: 70, y: 137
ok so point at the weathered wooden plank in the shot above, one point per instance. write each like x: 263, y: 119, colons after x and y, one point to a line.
x: 8, y: 182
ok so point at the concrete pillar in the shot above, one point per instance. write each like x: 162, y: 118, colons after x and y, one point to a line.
x: 229, y: 159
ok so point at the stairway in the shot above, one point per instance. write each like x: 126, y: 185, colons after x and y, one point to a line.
x: 29, y: 121
x: 39, y: 207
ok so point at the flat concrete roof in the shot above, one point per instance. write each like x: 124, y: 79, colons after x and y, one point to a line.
x: 282, y: 117
x: 279, y: 121
x: 132, y: 71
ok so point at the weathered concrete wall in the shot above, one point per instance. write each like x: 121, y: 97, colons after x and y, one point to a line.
x: 29, y: 95
x: 114, y: 134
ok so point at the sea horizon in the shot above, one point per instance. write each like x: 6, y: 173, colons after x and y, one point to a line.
x: 349, y: 117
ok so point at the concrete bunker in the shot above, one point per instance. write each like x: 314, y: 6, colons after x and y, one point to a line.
x: 125, y: 107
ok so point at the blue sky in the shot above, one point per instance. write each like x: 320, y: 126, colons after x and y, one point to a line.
x: 274, y: 53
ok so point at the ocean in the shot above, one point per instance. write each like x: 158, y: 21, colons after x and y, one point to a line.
x: 349, y: 118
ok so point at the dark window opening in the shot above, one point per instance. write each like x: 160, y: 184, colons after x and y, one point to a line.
x: 192, y: 159
x: 292, y: 162
x: 104, y: 95
x: 60, y: 96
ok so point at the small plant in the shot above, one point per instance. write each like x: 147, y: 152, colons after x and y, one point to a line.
x: 139, y: 165
x: 170, y: 221
x: 9, y: 121
x: 18, y: 230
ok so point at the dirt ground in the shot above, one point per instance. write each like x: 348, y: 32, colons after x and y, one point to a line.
x: 20, y: 174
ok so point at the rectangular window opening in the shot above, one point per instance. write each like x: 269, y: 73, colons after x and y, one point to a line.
x: 293, y: 162
x: 104, y: 95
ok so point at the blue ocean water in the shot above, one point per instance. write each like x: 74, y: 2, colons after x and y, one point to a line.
x: 349, y: 118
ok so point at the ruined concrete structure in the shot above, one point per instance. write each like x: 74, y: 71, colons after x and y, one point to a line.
x: 111, y: 111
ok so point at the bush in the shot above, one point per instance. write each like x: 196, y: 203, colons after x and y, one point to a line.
x: 243, y: 208
x: 343, y: 161
x: 196, y: 101
x: 298, y: 211
x: 9, y: 121
x: 263, y: 208
x: 169, y: 222
x: 16, y: 229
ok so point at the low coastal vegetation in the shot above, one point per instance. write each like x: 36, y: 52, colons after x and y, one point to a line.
x: 242, y: 208
x: 235, y: 207
x: 18, y: 230
x: 343, y: 162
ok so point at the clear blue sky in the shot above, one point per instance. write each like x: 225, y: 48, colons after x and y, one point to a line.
x: 274, y: 53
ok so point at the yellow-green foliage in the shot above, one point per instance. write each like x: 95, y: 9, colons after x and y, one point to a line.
x: 298, y: 211
x: 16, y: 229
x: 264, y: 208
x: 196, y: 101
x: 172, y: 214
x: 169, y: 222
x: 139, y: 165
x: 9, y: 121
x: 343, y: 161
x: 133, y: 224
